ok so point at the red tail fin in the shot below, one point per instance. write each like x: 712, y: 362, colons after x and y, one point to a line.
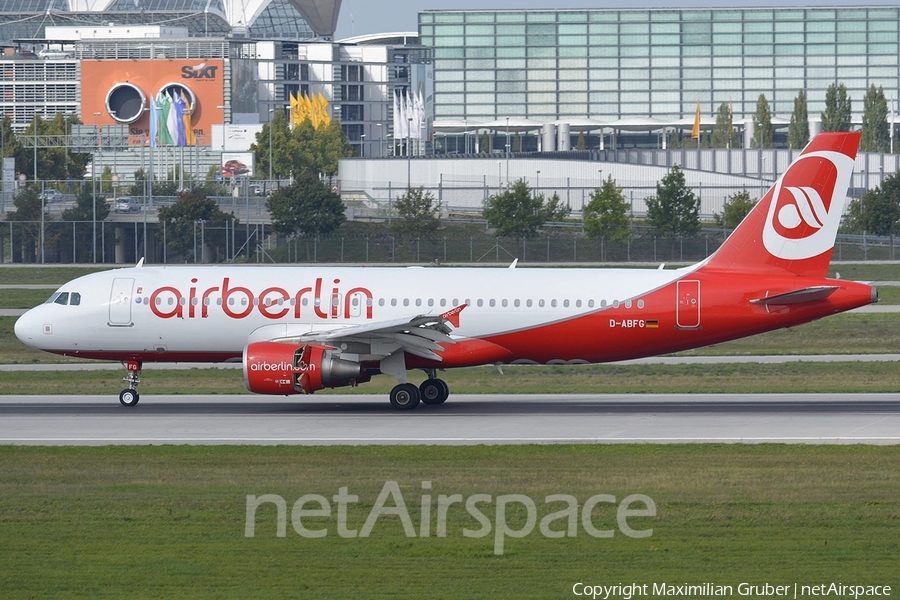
x: 793, y: 227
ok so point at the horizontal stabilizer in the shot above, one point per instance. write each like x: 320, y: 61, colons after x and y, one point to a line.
x: 810, y: 294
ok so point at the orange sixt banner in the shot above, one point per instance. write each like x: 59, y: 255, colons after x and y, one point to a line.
x: 119, y: 92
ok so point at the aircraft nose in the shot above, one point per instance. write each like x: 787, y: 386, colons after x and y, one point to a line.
x: 27, y: 328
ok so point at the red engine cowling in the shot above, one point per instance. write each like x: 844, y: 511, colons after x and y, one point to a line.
x: 277, y: 368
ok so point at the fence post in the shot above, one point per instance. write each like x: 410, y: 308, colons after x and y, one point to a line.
x: 367, y: 248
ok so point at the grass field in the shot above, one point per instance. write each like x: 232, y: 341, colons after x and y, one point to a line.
x: 799, y: 377
x: 169, y: 522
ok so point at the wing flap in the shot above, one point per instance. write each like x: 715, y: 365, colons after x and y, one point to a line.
x: 810, y: 294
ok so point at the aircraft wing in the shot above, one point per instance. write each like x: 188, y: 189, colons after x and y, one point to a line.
x: 419, y: 336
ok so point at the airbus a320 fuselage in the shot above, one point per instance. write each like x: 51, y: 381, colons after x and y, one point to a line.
x: 301, y: 329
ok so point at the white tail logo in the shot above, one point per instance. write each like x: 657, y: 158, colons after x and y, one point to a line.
x: 803, y: 220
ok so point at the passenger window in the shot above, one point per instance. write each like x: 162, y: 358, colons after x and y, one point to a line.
x: 305, y: 302
x: 590, y: 304
x: 480, y: 302
x: 640, y: 304
x: 406, y: 302
x: 63, y: 298
x: 381, y: 302
x: 75, y: 299
x: 455, y: 302
x: 206, y: 302
x: 393, y: 302
x: 418, y: 302
x: 443, y: 302
x: 219, y: 301
x: 516, y: 303
x: 541, y: 303
x: 528, y: 303
x: 493, y: 302
x: 553, y: 303
x: 603, y: 304
x: 615, y: 304
x: 578, y: 304
x: 566, y: 303
x: 628, y: 304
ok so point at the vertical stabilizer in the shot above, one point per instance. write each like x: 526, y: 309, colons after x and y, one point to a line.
x: 793, y: 228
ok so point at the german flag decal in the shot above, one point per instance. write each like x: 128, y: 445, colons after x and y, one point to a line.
x: 653, y: 324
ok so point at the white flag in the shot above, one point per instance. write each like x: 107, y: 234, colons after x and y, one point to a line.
x: 410, y: 116
x: 402, y: 125
x: 420, y: 113
x: 397, y: 121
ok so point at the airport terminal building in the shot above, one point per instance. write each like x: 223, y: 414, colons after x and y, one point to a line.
x: 640, y: 68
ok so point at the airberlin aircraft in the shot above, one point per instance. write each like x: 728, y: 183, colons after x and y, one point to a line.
x: 301, y: 329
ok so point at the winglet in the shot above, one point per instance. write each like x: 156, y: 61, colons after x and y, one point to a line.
x: 514, y: 263
x: 140, y: 263
x: 452, y: 315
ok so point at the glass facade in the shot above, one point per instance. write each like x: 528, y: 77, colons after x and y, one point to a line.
x: 617, y: 64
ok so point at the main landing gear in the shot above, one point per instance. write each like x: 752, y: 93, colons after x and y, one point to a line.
x: 130, y: 397
x: 433, y: 391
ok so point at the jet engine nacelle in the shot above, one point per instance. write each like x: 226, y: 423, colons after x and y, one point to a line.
x: 279, y: 368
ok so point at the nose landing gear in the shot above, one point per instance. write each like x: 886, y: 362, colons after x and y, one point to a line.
x: 130, y: 397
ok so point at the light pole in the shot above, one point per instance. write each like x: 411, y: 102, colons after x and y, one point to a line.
x: 94, y: 190
x: 36, y: 117
x: 362, y: 145
x: 271, y: 110
x: 507, y: 151
x: 380, y: 139
x: 37, y: 114
x: 408, y: 154
x: 537, y: 187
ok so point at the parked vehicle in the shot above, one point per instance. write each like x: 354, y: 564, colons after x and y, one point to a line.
x: 126, y: 205
x: 51, y: 196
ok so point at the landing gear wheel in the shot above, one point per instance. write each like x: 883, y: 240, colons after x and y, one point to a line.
x: 434, y: 391
x: 129, y: 397
x: 405, y: 396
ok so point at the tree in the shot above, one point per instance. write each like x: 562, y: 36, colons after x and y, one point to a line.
x: 878, y: 211
x: 606, y: 215
x: 307, y: 207
x: 736, y: 207
x: 518, y: 213
x: 84, y: 212
x: 674, y: 211
x: 9, y: 141
x: 798, y: 131
x: 875, y: 129
x: 485, y: 142
x: 417, y: 213
x: 763, y: 132
x: 183, y: 222
x: 723, y: 134
x: 582, y: 143
x: 837, y: 113
x: 284, y: 151
x: 28, y: 216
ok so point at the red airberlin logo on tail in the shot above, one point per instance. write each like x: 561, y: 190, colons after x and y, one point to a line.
x: 806, y: 208
x: 801, y: 211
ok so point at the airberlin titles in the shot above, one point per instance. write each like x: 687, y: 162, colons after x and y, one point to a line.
x: 239, y: 302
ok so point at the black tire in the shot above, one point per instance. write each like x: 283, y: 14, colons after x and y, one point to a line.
x: 405, y: 396
x: 434, y: 391
x: 129, y: 397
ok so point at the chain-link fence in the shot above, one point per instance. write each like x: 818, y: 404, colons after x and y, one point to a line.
x: 128, y: 242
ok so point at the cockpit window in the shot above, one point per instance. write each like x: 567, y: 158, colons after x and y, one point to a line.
x: 52, y: 298
x: 63, y: 298
x: 75, y: 299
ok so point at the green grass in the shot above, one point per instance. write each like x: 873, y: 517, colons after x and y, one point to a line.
x: 169, y: 522
x: 57, y: 275
x: 863, y: 271
x: 22, y: 298
x: 800, y: 377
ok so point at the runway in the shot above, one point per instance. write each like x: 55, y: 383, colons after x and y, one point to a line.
x: 464, y: 419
